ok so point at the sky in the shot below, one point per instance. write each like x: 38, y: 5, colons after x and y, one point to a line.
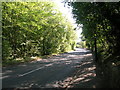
x: 68, y: 13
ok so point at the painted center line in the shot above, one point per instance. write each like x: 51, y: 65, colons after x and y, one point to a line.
x: 21, y: 75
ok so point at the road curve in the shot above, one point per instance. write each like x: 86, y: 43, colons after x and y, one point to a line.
x: 72, y: 69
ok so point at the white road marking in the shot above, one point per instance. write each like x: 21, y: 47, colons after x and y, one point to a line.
x: 33, y: 70
x: 47, y: 64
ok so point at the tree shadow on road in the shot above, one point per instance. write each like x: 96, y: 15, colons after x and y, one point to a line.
x: 83, y: 75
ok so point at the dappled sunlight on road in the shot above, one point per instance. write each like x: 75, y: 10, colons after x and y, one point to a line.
x: 61, y: 71
x: 85, y: 74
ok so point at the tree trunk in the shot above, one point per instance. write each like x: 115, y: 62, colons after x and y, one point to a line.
x: 96, y: 58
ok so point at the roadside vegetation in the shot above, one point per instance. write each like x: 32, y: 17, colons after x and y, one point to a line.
x: 101, y: 31
x: 82, y: 44
x: 34, y: 29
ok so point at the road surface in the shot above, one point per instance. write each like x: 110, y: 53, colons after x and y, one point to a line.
x: 68, y: 70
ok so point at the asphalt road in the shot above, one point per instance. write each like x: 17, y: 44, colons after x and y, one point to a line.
x: 70, y: 69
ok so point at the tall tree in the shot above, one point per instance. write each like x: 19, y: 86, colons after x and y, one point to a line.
x: 34, y: 29
x: 100, y: 22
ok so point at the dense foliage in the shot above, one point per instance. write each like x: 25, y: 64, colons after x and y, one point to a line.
x: 34, y: 29
x: 101, y: 31
x: 101, y: 27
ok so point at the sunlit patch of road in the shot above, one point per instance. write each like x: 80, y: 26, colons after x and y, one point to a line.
x: 61, y: 71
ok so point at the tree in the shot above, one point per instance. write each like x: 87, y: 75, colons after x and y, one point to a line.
x: 100, y: 25
x: 34, y: 29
